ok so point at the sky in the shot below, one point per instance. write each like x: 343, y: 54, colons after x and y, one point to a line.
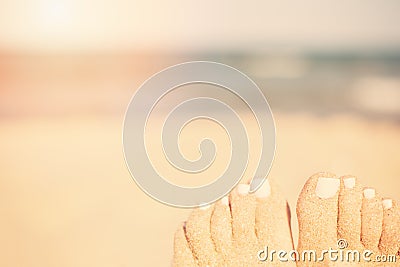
x: 61, y: 25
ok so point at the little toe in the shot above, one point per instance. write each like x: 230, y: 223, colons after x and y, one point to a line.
x: 390, y: 238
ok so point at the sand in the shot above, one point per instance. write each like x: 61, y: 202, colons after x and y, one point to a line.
x: 68, y: 200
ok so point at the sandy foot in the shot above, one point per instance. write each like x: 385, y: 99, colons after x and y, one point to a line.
x: 232, y: 231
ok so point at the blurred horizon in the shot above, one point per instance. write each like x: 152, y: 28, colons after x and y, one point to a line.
x: 315, y: 82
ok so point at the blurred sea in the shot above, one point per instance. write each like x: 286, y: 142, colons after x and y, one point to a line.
x: 321, y: 83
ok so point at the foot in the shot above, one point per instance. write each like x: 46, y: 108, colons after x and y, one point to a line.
x: 235, y: 230
x: 331, y: 209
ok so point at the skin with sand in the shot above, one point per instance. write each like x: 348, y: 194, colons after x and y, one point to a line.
x: 329, y: 208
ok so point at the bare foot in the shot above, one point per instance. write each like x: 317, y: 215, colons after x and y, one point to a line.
x: 233, y: 231
x: 331, y: 209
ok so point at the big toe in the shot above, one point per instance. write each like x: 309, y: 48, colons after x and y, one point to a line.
x: 317, y: 212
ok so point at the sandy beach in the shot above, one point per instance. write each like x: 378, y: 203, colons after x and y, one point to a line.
x: 67, y: 198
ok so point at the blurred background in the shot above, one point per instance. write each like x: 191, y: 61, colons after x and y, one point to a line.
x: 329, y: 69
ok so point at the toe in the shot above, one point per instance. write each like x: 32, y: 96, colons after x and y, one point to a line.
x: 243, y: 208
x: 371, y: 219
x: 317, y: 211
x: 349, y: 216
x: 221, y: 228
x: 390, y: 238
x: 273, y: 218
x: 273, y: 222
x: 182, y: 254
x: 199, y: 236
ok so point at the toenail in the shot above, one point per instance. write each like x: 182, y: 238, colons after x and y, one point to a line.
x: 387, y: 203
x: 243, y: 189
x: 264, y: 191
x: 225, y: 201
x: 369, y: 193
x: 349, y: 183
x: 327, y: 187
